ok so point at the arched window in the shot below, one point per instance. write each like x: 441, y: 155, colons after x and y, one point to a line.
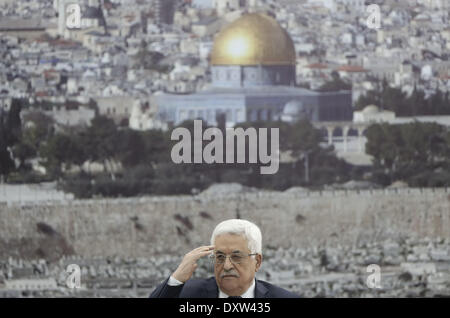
x: 337, y: 132
x: 352, y: 133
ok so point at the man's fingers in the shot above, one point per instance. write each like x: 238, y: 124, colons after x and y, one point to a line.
x: 201, y: 249
x: 201, y: 254
x: 189, y: 263
x: 207, y: 247
x: 205, y: 253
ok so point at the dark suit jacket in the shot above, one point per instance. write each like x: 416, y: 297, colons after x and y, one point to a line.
x: 207, y: 288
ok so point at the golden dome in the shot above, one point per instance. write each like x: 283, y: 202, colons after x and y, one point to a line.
x: 253, y: 39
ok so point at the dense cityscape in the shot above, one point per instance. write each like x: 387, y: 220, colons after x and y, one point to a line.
x: 89, y: 98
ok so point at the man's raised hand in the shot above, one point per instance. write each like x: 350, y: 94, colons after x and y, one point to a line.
x: 189, y: 263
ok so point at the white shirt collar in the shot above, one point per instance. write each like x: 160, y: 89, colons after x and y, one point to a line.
x: 250, y: 293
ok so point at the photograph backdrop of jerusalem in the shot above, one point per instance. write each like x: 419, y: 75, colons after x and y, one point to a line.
x: 92, y: 203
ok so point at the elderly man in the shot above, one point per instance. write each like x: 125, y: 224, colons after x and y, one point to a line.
x: 237, y: 253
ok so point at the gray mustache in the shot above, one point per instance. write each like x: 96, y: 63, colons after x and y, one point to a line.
x: 229, y: 274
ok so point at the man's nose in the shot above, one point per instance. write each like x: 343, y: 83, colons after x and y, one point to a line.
x: 228, y: 264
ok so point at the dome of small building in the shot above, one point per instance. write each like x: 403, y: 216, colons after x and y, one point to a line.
x: 253, y: 39
x: 371, y: 109
x: 293, y: 108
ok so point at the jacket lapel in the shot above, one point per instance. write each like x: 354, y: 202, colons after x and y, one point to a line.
x: 260, y: 290
x: 211, y: 290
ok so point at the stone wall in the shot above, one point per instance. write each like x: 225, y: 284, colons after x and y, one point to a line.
x: 141, y: 227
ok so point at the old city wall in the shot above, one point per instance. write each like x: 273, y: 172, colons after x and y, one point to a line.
x: 142, y: 227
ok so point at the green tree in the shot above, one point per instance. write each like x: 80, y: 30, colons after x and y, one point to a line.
x: 100, y: 142
x: 130, y: 148
x: 336, y: 84
x: 10, y: 130
x: 23, y: 151
x: 6, y: 162
x: 301, y: 137
x: 60, y: 153
x: 394, y: 99
x: 404, y: 151
x: 157, y: 146
x: 37, y: 129
x: 311, y: 161
x: 416, y: 103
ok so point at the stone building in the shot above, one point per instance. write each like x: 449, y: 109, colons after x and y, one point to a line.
x: 253, y: 69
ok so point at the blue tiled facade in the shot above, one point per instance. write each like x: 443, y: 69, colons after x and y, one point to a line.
x: 252, y: 104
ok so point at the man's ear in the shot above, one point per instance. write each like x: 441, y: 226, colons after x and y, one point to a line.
x: 258, y: 259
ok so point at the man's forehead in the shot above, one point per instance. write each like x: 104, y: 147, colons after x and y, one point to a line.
x: 236, y: 242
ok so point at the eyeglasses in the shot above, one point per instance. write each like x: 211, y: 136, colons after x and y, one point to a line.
x: 234, y: 258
